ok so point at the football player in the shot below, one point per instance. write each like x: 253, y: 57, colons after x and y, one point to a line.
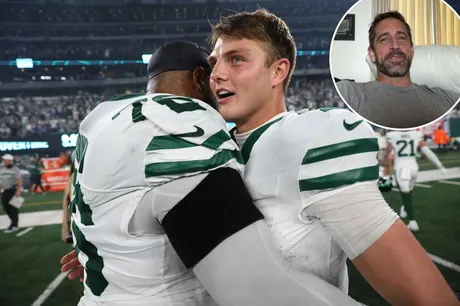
x: 313, y: 174
x: 385, y: 181
x: 158, y: 191
x: 405, y: 146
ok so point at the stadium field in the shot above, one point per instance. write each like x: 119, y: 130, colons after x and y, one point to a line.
x: 30, y: 258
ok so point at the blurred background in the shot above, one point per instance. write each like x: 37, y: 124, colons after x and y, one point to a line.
x: 59, y: 59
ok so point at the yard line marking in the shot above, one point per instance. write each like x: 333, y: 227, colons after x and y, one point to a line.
x: 51, y: 287
x: 418, y: 185
x: 42, y: 203
x: 450, y: 182
x: 444, y: 262
x: 24, y: 232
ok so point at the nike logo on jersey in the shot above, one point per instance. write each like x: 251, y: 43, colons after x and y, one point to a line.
x: 351, y: 126
x: 199, y: 132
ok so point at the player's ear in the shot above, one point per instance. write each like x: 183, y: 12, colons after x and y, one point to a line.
x: 371, y: 54
x: 280, y: 70
x: 199, y: 79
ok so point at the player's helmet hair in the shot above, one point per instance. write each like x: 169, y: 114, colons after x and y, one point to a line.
x: 393, y: 15
x: 261, y: 26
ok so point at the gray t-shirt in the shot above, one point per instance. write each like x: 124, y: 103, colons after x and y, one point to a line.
x: 397, y: 107
x: 9, y: 177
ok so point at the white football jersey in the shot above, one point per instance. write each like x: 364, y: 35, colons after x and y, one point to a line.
x: 124, y: 149
x: 405, y: 145
x: 296, y: 160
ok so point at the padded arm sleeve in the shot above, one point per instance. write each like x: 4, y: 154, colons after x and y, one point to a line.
x: 217, y: 230
x: 355, y: 218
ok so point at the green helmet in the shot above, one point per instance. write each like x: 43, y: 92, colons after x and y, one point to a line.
x: 384, y: 185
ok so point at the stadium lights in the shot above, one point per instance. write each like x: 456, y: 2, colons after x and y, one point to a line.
x: 146, y: 57
x: 27, y: 63
x: 24, y: 63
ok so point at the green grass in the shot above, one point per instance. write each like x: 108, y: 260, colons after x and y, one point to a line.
x: 450, y: 159
x: 437, y: 213
x: 29, y: 263
x: 39, y: 202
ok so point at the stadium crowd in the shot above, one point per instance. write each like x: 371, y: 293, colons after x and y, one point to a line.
x: 163, y: 12
x: 34, y: 116
x: 127, y: 49
x: 103, y: 72
x: 113, y: 32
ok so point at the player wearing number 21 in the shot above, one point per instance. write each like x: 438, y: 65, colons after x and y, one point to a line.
x: 406, y: 168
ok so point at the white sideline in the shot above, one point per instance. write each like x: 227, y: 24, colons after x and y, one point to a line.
x: 51, y: 287
x: 444, y: 262
x: 450, y: 182
x: 423, y: 185
x: 24, y: 232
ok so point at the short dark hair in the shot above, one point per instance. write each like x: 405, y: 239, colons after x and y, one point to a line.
x: 262, y: 26
x: 393, y: 15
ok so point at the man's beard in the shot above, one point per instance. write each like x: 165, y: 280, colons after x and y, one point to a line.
x: 9, y: 166
x: 392, y: 69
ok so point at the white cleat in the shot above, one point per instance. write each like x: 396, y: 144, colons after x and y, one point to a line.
x: 402, y: 212
x: 413, y: 226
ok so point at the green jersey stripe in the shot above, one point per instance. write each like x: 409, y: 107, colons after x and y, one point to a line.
x: 172, y: 142
x: 326, y: 109
x: 72, y: 204
x: 216, y: 140
x: 84, y: 209
x: 136, y: 114
x: 340, y: 179
x: 95, y: 280
x: 168, y: 101
x: 341, y: 149
x: 80, y: 151
x: 168, y: 142
x: 182, y: 167
x: 252, y: 139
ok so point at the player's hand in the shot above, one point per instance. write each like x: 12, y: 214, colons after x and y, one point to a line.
x: 18, y: 193
x: 443, y: 170
x: 70, y: 263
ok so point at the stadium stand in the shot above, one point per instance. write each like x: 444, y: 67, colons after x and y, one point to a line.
x: 34, y: 116
x: 46, y: 32
x: 87, y: 51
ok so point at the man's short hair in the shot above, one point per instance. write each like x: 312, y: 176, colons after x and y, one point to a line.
x: 388, y: 15
x: 261, y: 26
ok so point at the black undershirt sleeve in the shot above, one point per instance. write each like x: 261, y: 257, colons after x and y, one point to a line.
x: 217, y: 208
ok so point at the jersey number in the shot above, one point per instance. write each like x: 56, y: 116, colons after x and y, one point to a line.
x: 405, y: 146
x: 95, y: 280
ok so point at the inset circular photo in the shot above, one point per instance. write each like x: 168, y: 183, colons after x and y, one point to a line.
x: 397, y: 63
